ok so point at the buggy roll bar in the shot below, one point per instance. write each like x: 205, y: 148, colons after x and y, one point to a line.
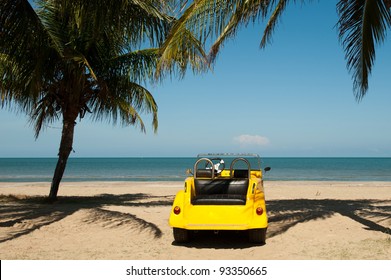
x: 196, y: 167
x: 242, y: 159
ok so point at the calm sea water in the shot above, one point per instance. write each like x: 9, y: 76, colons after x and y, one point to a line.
x: 173, y: 169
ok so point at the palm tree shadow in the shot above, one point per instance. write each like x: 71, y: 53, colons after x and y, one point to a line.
x: 22, y: 215
x: 372, y: 214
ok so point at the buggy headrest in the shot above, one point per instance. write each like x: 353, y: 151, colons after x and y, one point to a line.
x: 204, y: 173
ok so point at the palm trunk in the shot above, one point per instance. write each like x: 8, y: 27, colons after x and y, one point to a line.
x: 63, y: 155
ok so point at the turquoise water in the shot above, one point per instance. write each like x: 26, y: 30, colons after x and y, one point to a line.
x: 173, y: 169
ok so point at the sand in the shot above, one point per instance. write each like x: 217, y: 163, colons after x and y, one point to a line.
x: 129, y: 220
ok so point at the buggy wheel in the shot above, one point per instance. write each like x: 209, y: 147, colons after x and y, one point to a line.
x: 257, y: 235
x: 181, y: 235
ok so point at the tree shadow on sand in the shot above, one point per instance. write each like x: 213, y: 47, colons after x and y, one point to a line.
x: 372, y: 214
x: 22, y: 215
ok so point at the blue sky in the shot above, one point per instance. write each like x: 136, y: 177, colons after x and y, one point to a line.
x: 293, y: 99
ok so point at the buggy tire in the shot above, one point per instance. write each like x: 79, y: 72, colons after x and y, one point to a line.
x: 257, y: 235
x: 181, y: 235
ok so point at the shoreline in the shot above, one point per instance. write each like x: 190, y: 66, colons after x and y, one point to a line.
x: 129, y: 220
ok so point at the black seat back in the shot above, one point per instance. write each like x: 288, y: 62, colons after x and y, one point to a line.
x: 220, y: 186
x: 204, y: 173
x: 240, y: 173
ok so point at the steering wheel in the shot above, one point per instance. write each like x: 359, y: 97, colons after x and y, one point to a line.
x: 220, y: 164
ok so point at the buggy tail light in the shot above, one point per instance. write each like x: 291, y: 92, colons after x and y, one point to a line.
x: 259, y: 211
x: 177, y: 210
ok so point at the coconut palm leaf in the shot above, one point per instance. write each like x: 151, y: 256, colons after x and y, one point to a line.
x: 215, y: 21
x: 362, y: 25
x: 272, y: 23
x: 276, y: 9
x: 139, y: 64
x: 23, y: 67
x: 247, y: 11
x: 174, y: 49
x: 123, y: 101
x: 201, y: 20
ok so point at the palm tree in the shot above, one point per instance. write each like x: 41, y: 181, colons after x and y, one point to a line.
x: 63, y: 59
x: 362, y: 24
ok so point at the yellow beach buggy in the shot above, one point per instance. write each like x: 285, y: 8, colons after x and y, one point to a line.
x: 224, y: 192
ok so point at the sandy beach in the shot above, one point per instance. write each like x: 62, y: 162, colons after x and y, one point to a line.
x: 129, y: 220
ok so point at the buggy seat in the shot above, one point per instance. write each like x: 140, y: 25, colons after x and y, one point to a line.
x: 219, y: 191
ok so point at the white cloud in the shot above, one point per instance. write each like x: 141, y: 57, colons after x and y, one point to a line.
x: 251, y: 140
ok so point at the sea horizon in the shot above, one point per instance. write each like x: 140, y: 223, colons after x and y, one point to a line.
x: 54, y: 157
x: 174, y: 168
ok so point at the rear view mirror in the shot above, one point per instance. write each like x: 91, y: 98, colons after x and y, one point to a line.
x: 189, y: 172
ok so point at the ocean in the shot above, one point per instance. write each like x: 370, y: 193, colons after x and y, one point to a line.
x: 174, y: 169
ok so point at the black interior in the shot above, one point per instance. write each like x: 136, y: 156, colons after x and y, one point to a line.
x: 220, y: 191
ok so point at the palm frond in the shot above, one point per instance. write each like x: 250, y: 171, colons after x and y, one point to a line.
x: 124, y: 101
x: 202, y: 20
x: 276, y: 9
x: 53, y: 26
x: 362, y: 25
x: 141, y: 21
x: 209, y: 19
x: 182, y: 50
x: 172, y: 49
x: 273, y: 20
x: 139, y: 65
x: 20, y: 27
x: 45, y: 112
x: 28, y: 64
x: 244, y: 13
